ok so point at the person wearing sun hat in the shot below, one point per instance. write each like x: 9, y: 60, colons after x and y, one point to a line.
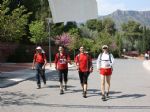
x: 105, y: 61
x: 39, y: 63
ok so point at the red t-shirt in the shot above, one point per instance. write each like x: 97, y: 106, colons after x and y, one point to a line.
x: 61, y: 61
x: 83, y: 61
x: 39, y: 58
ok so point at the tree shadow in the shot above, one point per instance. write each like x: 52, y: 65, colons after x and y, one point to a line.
x: 18, y: 98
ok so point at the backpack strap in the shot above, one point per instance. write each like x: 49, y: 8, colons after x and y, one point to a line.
x: 109, y: 57
x: 58, y: 54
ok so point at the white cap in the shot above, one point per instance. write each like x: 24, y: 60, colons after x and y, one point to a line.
x: 104, y: 46
x: 39, y: 47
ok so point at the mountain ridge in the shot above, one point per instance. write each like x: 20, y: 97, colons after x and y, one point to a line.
x: 120, y: 16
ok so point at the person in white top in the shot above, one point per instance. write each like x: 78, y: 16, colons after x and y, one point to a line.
x: 105, y: 61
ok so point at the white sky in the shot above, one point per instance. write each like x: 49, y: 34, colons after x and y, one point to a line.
x: 108, y: 6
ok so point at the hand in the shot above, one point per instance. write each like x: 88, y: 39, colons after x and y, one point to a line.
x: 91, y: 69
x: 43, y: 67
x: 55, y: 67
x: 77, y: 67
x: 33, y: 68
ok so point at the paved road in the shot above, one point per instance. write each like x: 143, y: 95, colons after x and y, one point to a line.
x: 130, y: 92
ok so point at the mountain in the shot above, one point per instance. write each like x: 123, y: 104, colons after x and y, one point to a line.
x: 119, y: 16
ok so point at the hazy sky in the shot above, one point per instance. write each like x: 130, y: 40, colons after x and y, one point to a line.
x: 108, y: 6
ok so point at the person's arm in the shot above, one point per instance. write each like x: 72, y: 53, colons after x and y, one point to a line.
x: 98, y: 62
x: 91, y: 64
x: 33, y: 63
x: 112, y: 59
x: 68, y: 59
x: 77, y: 62
x: 45, y: 61
x: 55, y: 61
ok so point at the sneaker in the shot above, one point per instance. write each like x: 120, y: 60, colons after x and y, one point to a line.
x: 39, y: 87
x: 103, y: 98
x: 65, y: 87
x: 107, y: 94
x: 61, y: 92
x: 84, y: 94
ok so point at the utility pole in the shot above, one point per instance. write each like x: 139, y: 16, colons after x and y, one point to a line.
x: 49, y: 20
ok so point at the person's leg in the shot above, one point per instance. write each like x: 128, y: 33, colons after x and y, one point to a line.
x: 85, y: 79
x: 43, y: 76
x: 61, y: 81
x: 103, y: 86
x: 81, y: 79
x: 108, y: 78
x: 38, y: 76
x: 66, y: 78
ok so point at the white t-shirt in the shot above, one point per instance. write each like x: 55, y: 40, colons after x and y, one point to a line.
x: 105, y: 60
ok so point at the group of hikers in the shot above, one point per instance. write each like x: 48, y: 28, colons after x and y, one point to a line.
x: 84, y: 66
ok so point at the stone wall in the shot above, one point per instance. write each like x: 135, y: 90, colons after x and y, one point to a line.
x: 12, y: 52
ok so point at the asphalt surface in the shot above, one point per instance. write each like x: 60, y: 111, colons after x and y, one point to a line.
x: 130, y: 92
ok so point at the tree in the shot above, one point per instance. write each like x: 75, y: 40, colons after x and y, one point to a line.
x: 38, y: 33
x: 75, y: 38
x: 104, y: 38
x: 40, y: 8
x: 12, y: 23
x: 95, y: 25
x: 63, y: 40
x: 87, y: 33
x: 132, y: 32
x: 109, y: 26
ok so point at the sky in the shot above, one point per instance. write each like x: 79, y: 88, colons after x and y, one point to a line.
x: 106, y: 7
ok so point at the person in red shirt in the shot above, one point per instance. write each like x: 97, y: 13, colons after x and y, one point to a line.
x: 39, y: 62
x: 84, y: 66
x: 61, y: 65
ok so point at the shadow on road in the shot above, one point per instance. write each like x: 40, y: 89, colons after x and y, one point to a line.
x: 19, y: 98
x: 53, y: 76
x: 128, y: 96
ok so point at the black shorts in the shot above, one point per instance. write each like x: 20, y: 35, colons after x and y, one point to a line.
x: 83, y: 77
x: 63, y: 74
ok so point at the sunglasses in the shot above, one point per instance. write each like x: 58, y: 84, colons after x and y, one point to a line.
x: 105, y: 48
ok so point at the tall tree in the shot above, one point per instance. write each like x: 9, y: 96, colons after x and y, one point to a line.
x: 12, y: 23
x: 95, y: 25
x: 109, y: 26
x: 38, y: 33
x: 132, y: 32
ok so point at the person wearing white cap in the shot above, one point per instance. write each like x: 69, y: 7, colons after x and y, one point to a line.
x: 105, y: 61
x: 39, y: 63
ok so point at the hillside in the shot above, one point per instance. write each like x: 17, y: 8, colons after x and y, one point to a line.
x: 119, y: 16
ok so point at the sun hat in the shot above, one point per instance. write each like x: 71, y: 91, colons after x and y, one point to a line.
x: 39, y: 47
x: 104, y: 46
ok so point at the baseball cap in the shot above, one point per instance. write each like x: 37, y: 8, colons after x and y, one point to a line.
x: 104, y: 46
